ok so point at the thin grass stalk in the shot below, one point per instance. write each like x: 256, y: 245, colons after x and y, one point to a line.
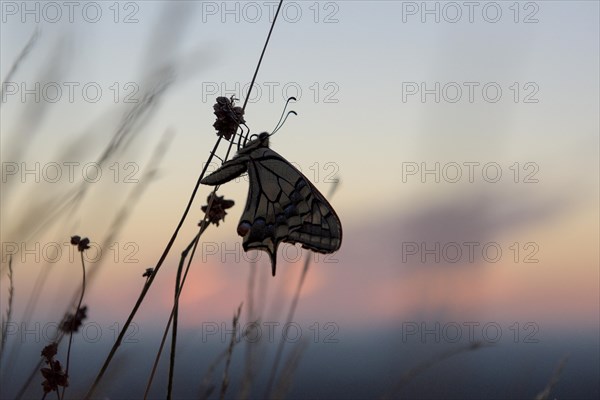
x: 71, y: 200
x: 71, y: 328
x: 9, y: 309
x: 22, y: 55
x: 175, y: 306
x: 193, y: 245
x: 225, y: 381
x: 116, y: 226
x: 152, y: 276
x: 545, y: 393
x: 36, y: 370
x: 173, y: 237
x: 292, y: 310
x: 175, y: 323
x: 291, y: 365
x: 290, y: 316
x: 211, y: 368
x: 262, y: 54
x: 420, y: 368
x: 248, y: 367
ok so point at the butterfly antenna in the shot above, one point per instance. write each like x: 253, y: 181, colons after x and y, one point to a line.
x: 285, y: 119
x: 283, y: 114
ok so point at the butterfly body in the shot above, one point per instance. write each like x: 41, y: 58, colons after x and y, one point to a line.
x: 282, y: 204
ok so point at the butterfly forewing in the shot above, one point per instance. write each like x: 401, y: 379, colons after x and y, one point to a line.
x: 282, y: 204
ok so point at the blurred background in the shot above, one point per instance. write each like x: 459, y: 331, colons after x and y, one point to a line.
x: 465, y: 141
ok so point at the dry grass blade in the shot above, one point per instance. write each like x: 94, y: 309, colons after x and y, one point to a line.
x: 292, y: 309
x: 232, y: 342
x: 129, y: 127
x: 420, y: 368
x: 9, y: 308
x: 152, y: 277
x: 207, y: 387
x: 290, y: 316
x: 192, y: 246
x: 22, y: 55
x: 287, y: 374
x: 250, y: 345
x: 71, y: 328
x: 118, y: 222
x: 178, y: 280
x: 545, y: 394
x: 132, y: 200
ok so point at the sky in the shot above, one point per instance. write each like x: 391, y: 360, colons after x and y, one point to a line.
x: 464, y: 137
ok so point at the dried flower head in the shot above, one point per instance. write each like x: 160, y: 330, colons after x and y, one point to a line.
x: 50, y: 351
x: 73, y: 322
x: 148, y: 272
x: 54, y: 376
x: 217, y: 209
x: 82, y: 244
x: 229, y: 117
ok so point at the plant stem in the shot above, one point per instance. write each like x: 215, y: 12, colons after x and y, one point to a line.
x: 193, y: 245
x: 11, y: 295
x: 262, y: 55
x: 151, y: 279
x: 175, y: 321
x: 290, y: 316
x: 225, y: 382
x: 292, y: 310
x: 179, y: 284
x: 73, y: 323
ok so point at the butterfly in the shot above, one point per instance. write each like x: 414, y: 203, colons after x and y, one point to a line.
x: 282, y: 205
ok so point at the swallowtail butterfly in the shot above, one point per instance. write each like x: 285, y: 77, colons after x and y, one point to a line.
x: 282, y: 205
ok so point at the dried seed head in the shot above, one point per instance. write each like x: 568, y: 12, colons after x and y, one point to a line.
x: 228, y: 117
x: 73, y: 322
x: 50, y: 351
x: 148, y: 272
x: 82, y: 244
x: 217, y: 209
x: 54, y: 377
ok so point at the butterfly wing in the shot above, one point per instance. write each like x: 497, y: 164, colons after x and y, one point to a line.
x: 229, y: 170
x: 284, y: 206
